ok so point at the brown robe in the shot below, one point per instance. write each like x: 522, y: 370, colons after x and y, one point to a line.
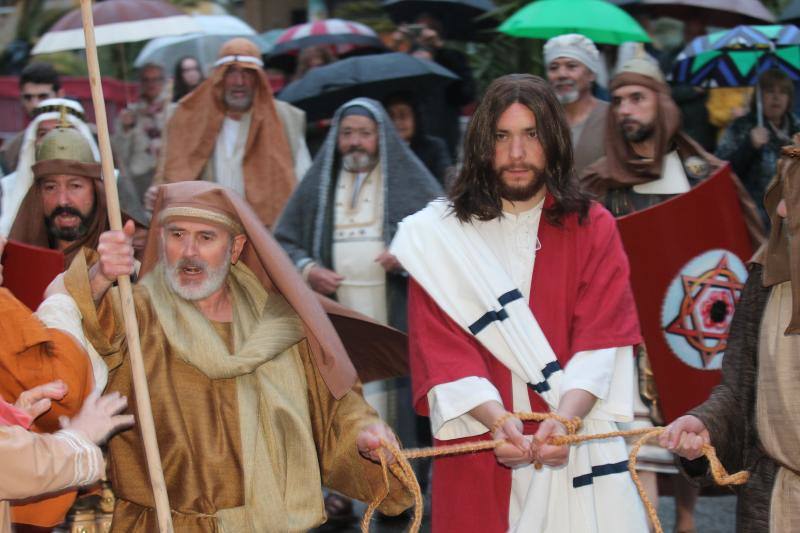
x: 591, y: 146
x: 198, y: 433
x: 730, y: 413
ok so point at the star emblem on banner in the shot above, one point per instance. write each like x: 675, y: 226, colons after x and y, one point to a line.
x: 706, y: 310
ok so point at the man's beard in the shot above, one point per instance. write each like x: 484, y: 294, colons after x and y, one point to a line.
x: 521, y: 193
x: 238, y: 104
x: 358, y: 160
x: 569, y: 97
x: 215, y: 278
x: 70, y: 234
x: 641, y: 133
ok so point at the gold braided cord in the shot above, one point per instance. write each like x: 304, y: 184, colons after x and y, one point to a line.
x: 401, y: 468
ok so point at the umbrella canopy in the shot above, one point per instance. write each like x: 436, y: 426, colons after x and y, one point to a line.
x: 268, y: 39
x: 117, y: 21
x: 737, y: 57
x: 343, y: 35
x: 791, y: 13
x: 323, y: 89
x: 718, y: 13
x: 600, y: 21
x: 215, y: 31
x: 456, y: 16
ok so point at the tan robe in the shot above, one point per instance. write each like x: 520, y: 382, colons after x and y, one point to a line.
x: 199, y: 436
x: 35, y: 464
x: 778, y: 407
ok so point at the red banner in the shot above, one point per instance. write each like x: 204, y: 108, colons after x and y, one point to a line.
x: 687, y: 258
x: 28, y: 270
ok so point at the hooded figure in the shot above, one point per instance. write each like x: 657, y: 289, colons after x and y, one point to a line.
x: 255, y: 152
x: 625, y: 181
x: 63, y: 153
x: 254, y: 414
x: 327, y: 222
x: 752, y: 417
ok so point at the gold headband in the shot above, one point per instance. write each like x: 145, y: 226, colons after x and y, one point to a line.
x: 202, y: 214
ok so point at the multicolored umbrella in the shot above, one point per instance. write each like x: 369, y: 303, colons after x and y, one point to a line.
x: 117, y: 21
x: 343, y: 35
x: 600, y: 21
x: 718, y: 13
x: 737, y: 57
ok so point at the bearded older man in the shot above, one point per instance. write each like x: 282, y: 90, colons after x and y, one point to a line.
x: 256, y: 400
x: 573, y: 62
x: 232, y: 131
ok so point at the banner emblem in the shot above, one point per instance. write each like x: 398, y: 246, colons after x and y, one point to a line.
x: 699, y: 305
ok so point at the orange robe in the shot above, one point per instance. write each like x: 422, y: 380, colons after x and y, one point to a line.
x: 30, y: 355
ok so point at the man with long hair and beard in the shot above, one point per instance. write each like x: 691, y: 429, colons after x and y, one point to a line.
x: 491, y: 334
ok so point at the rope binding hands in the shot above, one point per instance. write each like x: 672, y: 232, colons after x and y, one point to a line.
x: 401, y: 468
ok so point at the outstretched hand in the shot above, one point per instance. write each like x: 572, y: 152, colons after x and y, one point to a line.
x: 99, y: 417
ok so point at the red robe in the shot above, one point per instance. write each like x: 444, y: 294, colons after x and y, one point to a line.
x: 581, y: 297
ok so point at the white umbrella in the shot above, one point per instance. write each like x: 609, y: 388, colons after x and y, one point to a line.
x: 215, y: 30
x: 117, y: 21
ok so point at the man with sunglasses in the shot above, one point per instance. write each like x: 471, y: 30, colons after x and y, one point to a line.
x: 38, y: 82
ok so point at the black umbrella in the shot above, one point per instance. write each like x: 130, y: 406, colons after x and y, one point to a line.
x: 323, y: 89
x: 457, y: 16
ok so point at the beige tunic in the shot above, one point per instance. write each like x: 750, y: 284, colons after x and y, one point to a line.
x: 778, y: 407
x: 35, y: 464
x: 358, y: 240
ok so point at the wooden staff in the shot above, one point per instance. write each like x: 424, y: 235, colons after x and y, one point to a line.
x: 145, y: 418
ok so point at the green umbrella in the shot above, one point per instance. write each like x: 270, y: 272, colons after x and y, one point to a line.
x: 599, y: 20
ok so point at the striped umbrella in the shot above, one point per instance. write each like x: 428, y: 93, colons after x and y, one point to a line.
x: 737, y: 57
x: 117, y: 21
x: 342, y: 35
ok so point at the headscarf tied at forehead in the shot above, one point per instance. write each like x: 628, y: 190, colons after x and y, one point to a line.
x: 780, y: 257
x: 210, y: 202
x: 624, y: 165
x: 192, y: 131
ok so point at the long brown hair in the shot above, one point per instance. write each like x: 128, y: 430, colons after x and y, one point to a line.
x: 476, y: 191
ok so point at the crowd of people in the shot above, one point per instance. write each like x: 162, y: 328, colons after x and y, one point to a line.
x: 496, y: 251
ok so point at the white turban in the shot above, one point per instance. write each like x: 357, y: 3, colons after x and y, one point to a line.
x: 574, y: 46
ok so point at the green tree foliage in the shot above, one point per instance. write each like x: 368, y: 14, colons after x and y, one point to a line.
x: 501, y: 54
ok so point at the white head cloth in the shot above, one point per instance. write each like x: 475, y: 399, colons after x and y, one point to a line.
x: 574, y: 46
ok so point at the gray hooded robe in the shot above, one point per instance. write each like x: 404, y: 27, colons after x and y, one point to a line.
x: 305, y: 228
